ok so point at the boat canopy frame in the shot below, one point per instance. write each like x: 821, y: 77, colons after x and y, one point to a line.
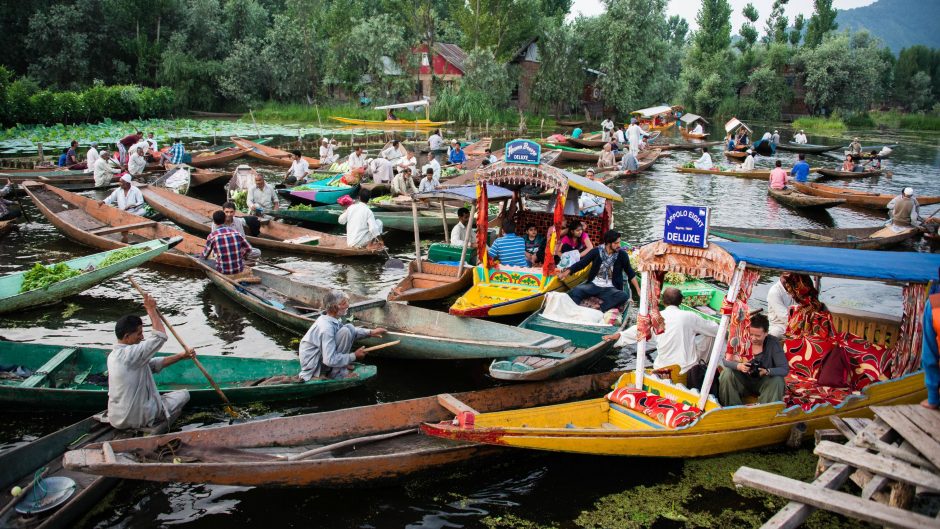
x: 733, y: 124
x: 652, y: 112
x: 420, y: 103
x: 689, y: 119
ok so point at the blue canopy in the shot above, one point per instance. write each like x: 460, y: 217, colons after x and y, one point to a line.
x: 901, y: 267
x: 466, y: 193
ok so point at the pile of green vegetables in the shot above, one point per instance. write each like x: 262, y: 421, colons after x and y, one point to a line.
x: 697, y: 301
x: 451, y: 171
x: 121, y: 255
x: 240, y: 198
x: 40, y: 276
x: 382, y: 198
x: 301, y: 207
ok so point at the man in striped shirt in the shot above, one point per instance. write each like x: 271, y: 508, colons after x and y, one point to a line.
x: 229, y: 246
x: 509, y: 249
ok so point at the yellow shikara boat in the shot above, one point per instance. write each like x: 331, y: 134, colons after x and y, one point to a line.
x: 509, y: 290
x: 397, y: 123
x: 647, y: 117
x: 649, y: 416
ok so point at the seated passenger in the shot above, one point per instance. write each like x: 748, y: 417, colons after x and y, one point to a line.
x: 605, y: 280
x: 459, y: 234
x: 575, y: 239
x: 534, y: 246
x: 326, y: 350
x: 509, y: 249
x: 229, y: 246
x: 762, y: 376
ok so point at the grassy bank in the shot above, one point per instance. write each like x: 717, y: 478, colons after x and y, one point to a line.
x: 820, y: 125
x: 272, y: 112
x: 701, y: 495
x: 891, y: 120
x: 899, y: 120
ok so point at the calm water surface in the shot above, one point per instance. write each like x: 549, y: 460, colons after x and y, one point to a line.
x: 539, y: 487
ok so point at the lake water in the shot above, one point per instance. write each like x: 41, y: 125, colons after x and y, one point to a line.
x: 540, y: 487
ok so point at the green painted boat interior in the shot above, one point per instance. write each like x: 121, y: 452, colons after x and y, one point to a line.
x: 449, y: 253
x: 701, y: 298
x: 581, y: 336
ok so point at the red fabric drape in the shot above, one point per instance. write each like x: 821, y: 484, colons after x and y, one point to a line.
x: 808, y: 315
x: 558, y: 221
x: 739, y: 339
x: 905, y: 354
x: 483, y: 209
x: 652, y: 322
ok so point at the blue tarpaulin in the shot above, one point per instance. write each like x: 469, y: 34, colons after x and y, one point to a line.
x: 900, y: 267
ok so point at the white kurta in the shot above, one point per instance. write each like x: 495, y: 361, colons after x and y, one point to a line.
x: 136, y: 164
x: 132, y: 201
x: 458, y: 234
x: 620, y: 138
x: 428, y: 185
x: 299, y: 168
x: 326, y: 155
x: 698, y: 129
x: 91, y: 157
x: 133, y: 399
x: 361, y: 225
x: 778, y: 309
x: 748, y: 164
x: 705, y: 162
x: 381, y: 171
x: 403, y: 186
x: 433, y: 164
x: 356, y: 161
x: 435, y: 142
x: 408, y: 162
x: 393, y: 154
x: 634, y: 134
x: 104, y: 172
x: 676, y: 345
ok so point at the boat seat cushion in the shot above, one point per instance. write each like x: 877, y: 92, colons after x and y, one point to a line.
x: 667, y: 412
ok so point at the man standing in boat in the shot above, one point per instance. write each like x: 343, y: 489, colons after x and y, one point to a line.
x: 634, y: 135
x: 325, y: 349
x: 133, y: 399
x: 608, y: 264
x: 763, y: 375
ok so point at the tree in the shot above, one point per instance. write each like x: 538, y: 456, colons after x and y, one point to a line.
x: 369, y: 59
x: 748, y: 31
x: 677, y: 31
x: 641, y: 78
x: 777, y: 23
x: 822, y: 22
x: 921, y: 92
x: 797, y: 34
x: 71, y: 54
x: 502, y: 25
x: 483, y: 74
x: 560, y: 78
x: 843, y: 73
x: 706, y: 70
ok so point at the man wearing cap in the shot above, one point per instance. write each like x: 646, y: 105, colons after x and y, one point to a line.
x: 748, y: 164
x: 358, y: 158
x: 326, y: 153
x: 457, y: 156
x: 362, y: 228
x: 133, y: 399
x: 91, y: 157
x: 136, y: 163
x: 605, y: 280
x: 104, y: 173
x: 126, y: 197
x: 800, y: 138
x: 634, y: 135
x: 775, y: 139
x: 855, y: 147
x: 903, y: 210
x: 381, y: 170
x: 432, y: 164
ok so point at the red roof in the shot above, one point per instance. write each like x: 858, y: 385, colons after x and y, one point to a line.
x: 448, y: 59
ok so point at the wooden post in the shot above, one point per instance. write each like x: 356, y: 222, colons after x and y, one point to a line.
x: 641, y: 338
x: 414, y: 212
x: 253, y: 122
x: 466, y: 238
x: 719, y: 345
x: 39, y: 149
x: 318, y: 116
x: 444, y: 220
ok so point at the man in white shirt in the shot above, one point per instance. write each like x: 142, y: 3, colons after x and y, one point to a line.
x: 607, y: 125
x: 634, y: 135
x: 381, y: 170
x: 362, y: 228
x: 126, y: 197
x: 698, y: 128
x: 775, y: 139
x: 403, y: 184
x: 408, y: 162
x: 800, y: 138
x: 104, y: 173
x: 778, y: 308
x: 262, y: 197
x: 91, y: 157
x: 705, y: 162
x: 620, y: 138
x: 136, y: 163
x: 152, y: 142
x: 433, y: 164
x: 459, y: 233
x: 428, y: 183
x: 299, y: 169
x: 435, y: 141
x: 326, y: 153
x: 748, y: 164
x: 394, y: 152
x: 357, y: 159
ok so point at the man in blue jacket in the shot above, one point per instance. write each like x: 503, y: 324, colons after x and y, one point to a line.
x: 605, y: 280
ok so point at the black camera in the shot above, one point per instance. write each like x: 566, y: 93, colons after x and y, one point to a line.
x: 753, y: 369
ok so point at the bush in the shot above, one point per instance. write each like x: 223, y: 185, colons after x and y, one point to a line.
x: 26, y: 103
x: 18, y: 94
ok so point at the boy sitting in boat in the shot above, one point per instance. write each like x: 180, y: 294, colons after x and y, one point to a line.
x: 763, y: 375
x: 534, y: 245
x: 325, y: 349
x: 133, y: 399
x: 459, y: 234
x: 605, y: 281
x: 509, y: 249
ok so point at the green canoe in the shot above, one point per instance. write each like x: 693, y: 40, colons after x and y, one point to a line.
x: 74, y: 378
x: 428, y: 221
x: 12, y: 299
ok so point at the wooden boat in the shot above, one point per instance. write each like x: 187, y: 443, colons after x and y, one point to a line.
x: 391, y: 123
x: 587, y: 346
x: 570, y: 122
x: 855, y: 238
x: 217, y: 158
x: 757, y: 174
x: 692, y: 136
x: 244, y: 453
x: 61, y: 378
x: 833, y: 173
x: 428, y: 220
x: 647, y: 116
x: 855, y: 197
x: 291, y: 301
x: 646, y: 159
x: 434, y: 281
x: 619, y: 425
x: 221, y: 115
x: 736, y: 155
x: 201, y: 177
x: 196, y: 215
x: 326, y: 191
x: 793, y: 198
x: 177, y: 179
x: 89, y: 222
x: 11, y: 299
x: 510, y: 290
x: 270, y: 154
x: 807, y: 148
x: 571, y: 154
x: 585, y: 143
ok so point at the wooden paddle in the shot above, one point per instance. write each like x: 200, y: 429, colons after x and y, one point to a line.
x: 381, y: 346
x: 228, y: 405
x: 348, y: 442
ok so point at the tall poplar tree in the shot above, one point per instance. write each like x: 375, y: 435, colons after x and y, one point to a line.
x: 706, y: 70
x: 823, y: 21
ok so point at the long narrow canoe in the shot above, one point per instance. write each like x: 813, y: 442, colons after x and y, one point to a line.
x: 434, y: 281
x: 270, y: 154
x: 326, y: 191
x: 807, y: 148
x: 646, y: 159
x: 67, y: 377
x: 855, y: 197
x: 392, y: 123
x: 585, y: 143
x: 89, y: 222
x: 217, y: 158
x: 832, y: 173
x: 11, y: 299
x: 201, y: 177
x: 196, y: 215
x: 795, y: 199
x: 857, y: 238
x: 293, y: 302
x: 689, y: 146
x: 587, y: 346
x: 691, y: 135
x: 245, y: 454
x: 756, y: 174
x: 736, y: 155
x: 428, y: 220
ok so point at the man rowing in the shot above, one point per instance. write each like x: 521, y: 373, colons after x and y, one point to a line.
x: 229, y: 247
x: 903, y: 210
x: 126, y: 197
x: 133, y: 399
x: 327, y: 157
x: 325, y: 348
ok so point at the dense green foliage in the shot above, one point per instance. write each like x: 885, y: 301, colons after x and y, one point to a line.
x: 40, y: 276
x: 120, y: 255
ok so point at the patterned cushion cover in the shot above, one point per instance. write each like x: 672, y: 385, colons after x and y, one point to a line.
x: 667, y: 412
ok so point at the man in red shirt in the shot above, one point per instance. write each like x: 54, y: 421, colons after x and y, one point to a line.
x: 126, y: 143
x: 229, y: 246
x: 778, y: 177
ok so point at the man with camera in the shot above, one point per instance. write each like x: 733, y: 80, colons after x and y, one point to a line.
x: 762, y: 376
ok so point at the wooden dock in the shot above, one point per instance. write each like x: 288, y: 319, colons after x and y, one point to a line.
x: 891, y: 458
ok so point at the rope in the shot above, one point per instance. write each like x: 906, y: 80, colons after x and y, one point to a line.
x: 39, y: 484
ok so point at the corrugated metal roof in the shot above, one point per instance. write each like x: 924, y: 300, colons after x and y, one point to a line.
x: 451, y: 53
x: 692, y: 118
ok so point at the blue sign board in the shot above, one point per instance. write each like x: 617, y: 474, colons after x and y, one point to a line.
x: 523, y: 151
x: 687, y: 226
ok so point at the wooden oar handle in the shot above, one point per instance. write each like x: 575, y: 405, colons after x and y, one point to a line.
x: 381, y: 346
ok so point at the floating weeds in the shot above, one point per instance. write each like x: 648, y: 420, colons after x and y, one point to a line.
x: 70, y: 310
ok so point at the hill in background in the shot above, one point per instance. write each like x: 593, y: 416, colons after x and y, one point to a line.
x: 899, y: 23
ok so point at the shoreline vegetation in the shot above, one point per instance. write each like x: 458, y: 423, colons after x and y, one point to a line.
x: 891, y: 119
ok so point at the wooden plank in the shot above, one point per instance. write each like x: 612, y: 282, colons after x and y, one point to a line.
x: 831, y: 500
x: 843, y: 427
x: 795, y: 513
x: 811, y: 235
x: 126, y: 227
x: 927, y: 420
x: 829, y: 435
x: 49, y: 367
x: 911, y: 433
x: 861, y: 458
x: 857, y: 424
x: 905, y: 452
x: 454, y: 405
